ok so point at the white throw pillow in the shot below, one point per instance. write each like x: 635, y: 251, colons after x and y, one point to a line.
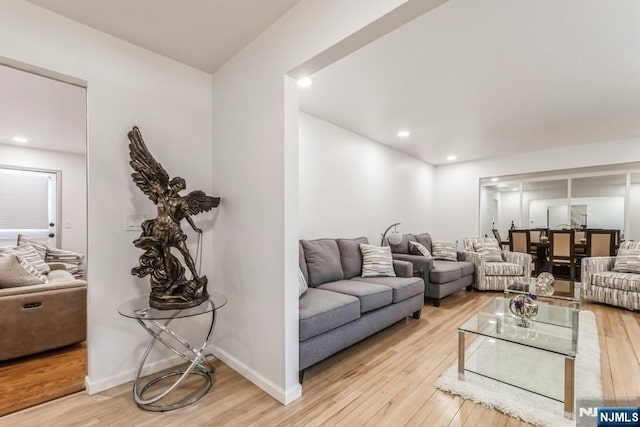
x: 627, y: 261
x: 444, y: 250
x: 489, y: 250
x: 421, y: 248
x: 376, y: 261
x: 302, y: 284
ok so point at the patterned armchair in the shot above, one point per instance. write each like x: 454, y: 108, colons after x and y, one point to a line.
x: 601, y: 284
x: 493, y: 275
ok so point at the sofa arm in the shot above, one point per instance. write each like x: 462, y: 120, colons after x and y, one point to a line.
x: 592, y: 266
x: 421, y: 264
x: 55, y: 255
x: 403, y: 268
x: 519, y: 258
x: 478, y: 262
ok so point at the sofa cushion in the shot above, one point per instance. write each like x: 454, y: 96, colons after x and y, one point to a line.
x: 445, y: 271
x: 321, y: 310
x: 503, y: 269
x: 403, y: 287
x: 612, y: 279
x: 371, y: 295
x: 403, y: 247
x: 467, y: 268
x: 627, y: 261
x: 424, y: 239
x: 350, y: 256
x: 377, y: 261
x: 15, y: 272
x: 59, y: 276
x: 445, y: 250
x: 323, y: 261
x: 302, y: 263
x: 630, y: 244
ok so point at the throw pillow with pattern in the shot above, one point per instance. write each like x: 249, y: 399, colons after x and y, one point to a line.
x: 40, y: 248
x: 302, y: 284
x: 376, y: 261
x: 29, y: 254
x: 489, y: 250
x: 444, y: 250
x: 420, y: 248
x: 627, y: 261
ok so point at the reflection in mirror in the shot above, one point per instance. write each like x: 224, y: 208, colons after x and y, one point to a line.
x: 545, y: 204
x: 43, y: 224
x: 499, y: 208
x: 634, y: 208
x: 602, y: 200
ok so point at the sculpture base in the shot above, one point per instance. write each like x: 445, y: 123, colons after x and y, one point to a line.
x: 182, y: 296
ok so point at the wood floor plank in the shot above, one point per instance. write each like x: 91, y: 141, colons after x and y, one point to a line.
x: 385, y: 380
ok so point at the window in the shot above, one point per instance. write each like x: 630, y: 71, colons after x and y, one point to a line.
x: 28, y: 205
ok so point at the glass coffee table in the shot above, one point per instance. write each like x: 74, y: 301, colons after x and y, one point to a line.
x: 568, y: 291
x: 539, y: 359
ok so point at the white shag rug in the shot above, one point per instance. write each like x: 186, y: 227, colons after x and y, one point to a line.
x: 524, y: 405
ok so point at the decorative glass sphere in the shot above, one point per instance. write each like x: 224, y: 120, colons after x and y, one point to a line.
x: 546, y: 278
x: 394, y: 238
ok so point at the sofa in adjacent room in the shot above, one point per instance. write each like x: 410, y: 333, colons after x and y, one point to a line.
x: 43, y: 300
x: 442, y: 277
x: 340, y: 307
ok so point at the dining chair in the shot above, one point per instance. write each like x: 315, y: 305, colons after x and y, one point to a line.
x: 601, y: 243
x: 561, y: 250
x: 519, y: 241
x: 579, y: 242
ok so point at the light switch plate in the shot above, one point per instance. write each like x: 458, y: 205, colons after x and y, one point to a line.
x: 133, y: 222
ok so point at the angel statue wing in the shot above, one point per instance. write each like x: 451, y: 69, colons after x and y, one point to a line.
x: 198, y: 202
x: 149, y: 175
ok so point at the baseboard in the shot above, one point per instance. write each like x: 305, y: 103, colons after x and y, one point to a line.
x: 283, y: 396
x: 94, y: 387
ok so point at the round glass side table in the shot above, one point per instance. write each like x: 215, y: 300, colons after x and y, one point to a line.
x: 156, y: 323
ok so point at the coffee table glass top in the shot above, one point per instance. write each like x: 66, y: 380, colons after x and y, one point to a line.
x: 563, y: 290
x: 553, y: 329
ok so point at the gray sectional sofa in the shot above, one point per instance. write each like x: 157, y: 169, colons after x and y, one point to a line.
x: 340, y: 307
x: 441, y: 277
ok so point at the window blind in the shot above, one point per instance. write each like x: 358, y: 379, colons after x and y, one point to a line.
x: 23, y: 200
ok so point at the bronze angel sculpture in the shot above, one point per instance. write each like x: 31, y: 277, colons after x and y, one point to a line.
x: 170, y: 288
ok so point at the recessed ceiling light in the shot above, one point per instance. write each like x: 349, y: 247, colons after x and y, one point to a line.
x: 404, y: 133
x: 494, y: 179
x: 304, y: 82
x: 20, y: 139
x: 451, y: 158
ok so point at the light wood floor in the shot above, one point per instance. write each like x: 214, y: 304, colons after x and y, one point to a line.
x: 31, y: 380
x: 385, y: 380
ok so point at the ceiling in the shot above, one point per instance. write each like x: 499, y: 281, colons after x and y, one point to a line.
x: 50, y: 114
x: 201, y: 33
x: 482, y: 79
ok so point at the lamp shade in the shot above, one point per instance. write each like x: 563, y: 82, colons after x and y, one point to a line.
x: 394, y: 238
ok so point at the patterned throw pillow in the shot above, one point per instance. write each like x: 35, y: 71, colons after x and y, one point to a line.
x: 489, y: 250
x: 376, y: 261
x: 627, y: 261
x: 40, y: 248
x: 302, y: 284
x: 444, y: 250
x: 28, y: 253
x: 15, y: 272
x: 421, y: 248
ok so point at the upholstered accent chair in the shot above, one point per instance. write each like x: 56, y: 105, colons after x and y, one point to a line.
x: 601, y: 283
x: 495, y: 273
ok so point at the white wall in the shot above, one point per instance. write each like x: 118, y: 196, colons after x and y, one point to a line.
x: 255, y: 168
x: 350, y: 186
x: 127, y: 85
x: 74, y: 188
x: 457, y: 185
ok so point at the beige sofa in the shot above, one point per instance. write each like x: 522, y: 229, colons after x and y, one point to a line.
x: 43, y: 317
